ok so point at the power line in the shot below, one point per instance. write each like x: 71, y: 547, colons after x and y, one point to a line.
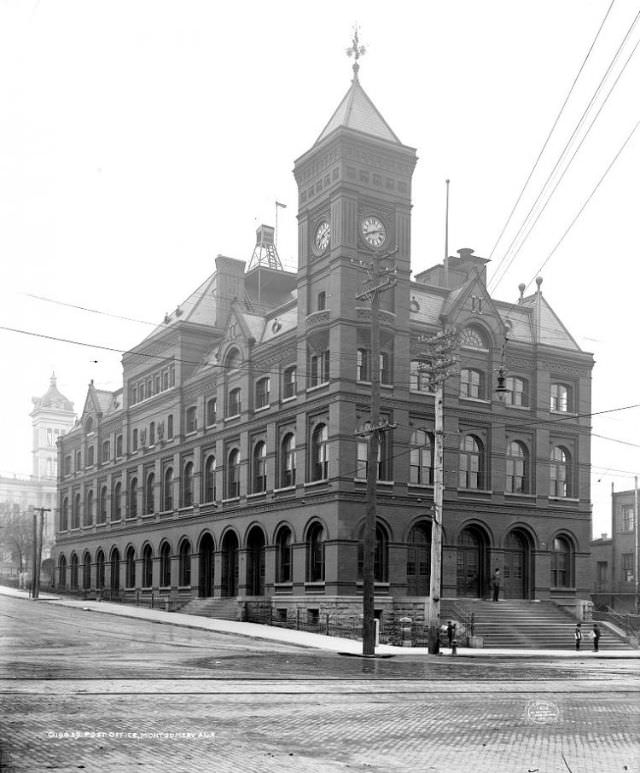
x: 546, y: 142
x: 495, y: 280
x: 583, y: 207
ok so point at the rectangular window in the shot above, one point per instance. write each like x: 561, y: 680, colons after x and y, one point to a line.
x: 106, y: 451
x: 119, y: 446
x: 134, y: 440
x: 560, y: 398
x: 289, y: 385
x: 262, y: 393
x: 627, y: 518
x: 233, y: 406
x: 192, y: 419
x: 627, y: 567
x: 67, y: 465
x: 170, y: 426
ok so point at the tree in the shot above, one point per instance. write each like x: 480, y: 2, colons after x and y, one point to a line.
x: 16, y: 533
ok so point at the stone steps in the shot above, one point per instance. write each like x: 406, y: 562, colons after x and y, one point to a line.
x: 525, y: 625
x: 221, y: 609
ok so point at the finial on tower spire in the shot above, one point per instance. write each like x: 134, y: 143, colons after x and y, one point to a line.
x: 356, y: 51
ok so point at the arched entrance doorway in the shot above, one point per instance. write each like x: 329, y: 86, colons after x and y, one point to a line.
x: 255, y: 562
x: 517, y: 565
x: 115, y: 570
x: 205, y: 582
x: 230, y: 564
x: 472, y: 563
x: 419, y: 560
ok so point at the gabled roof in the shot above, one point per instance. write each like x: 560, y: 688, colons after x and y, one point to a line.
x: 550, y: 330
x: 357, y: 112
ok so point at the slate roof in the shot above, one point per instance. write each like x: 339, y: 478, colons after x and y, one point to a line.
x: 356, y: 111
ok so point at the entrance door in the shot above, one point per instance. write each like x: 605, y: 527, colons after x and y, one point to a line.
x: 472, y: 563
x: 516, y: 564
x: 255, y: 563
x: 205, y: 585
x: 230, y: 565
x: 419, y: 560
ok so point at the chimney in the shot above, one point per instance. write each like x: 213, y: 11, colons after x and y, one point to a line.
x: 229, y: 286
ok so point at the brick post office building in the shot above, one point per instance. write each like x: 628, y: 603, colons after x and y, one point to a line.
x: 228, y: 465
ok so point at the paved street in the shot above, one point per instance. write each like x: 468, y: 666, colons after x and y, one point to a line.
x: 84, y: 690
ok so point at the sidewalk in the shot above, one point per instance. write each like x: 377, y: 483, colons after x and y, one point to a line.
x: 296, y: 638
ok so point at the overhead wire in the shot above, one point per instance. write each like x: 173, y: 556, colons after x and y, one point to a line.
x: 546, y: 142
x: 496, y: 279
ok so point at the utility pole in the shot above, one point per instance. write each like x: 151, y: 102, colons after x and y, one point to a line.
x: 37, y: 549
x: 438, y: 363
x: 380, y: 279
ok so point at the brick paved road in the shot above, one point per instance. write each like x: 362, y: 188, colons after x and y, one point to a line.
x: 132, y: 696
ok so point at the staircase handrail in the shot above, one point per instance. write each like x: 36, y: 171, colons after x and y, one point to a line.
x: 629, y: 623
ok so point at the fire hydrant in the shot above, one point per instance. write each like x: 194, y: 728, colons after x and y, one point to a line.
x: 454, y: 647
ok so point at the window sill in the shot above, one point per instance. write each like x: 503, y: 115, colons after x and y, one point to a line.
x: 518, y: 407
x: 288, y: 399
x: 235, y: 417
x: 520, y: 494
x: 425, y: 486
x: 483, y: 491
x: 378, y: 482
x: 422, y: 392
x: 284, y: 489
x: 478, y: 400
x: 562, y: 413
x: 316, y: 585
x: 317, y: 386
x: 283, y: 587
x: 230, y: 500
x: 316, y: 482
x: 571, y: 500
x: 262, y: 408
x: 185, y: 508
x: 147, y: 515
x: 257, y: 494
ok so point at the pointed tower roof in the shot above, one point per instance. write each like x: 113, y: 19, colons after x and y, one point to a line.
x: 357, y: 111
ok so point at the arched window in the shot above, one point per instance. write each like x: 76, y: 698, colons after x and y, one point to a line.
x: 283, y: 555
x: 315, y: 553
x: 74, y: 572
x: 380, y: 556
x: 165, y: 565
x: 133, y: 498
x: 187, y: 485
x: 471, y: 469
x: 288, y: 460
x: 102, y: 506
x: 560, y: 472
x: 100, y: 570
x: 184, y: 566
x: 167, y: 493
x: 319, y: 452
x: 472, y: 384
x: 64, y: 514
x: 517, y: 468
x: 289, y: 382
x: 472, y: 337
x: 233, y: 402
x: 233, y: 359
x: 88, y: 514
x: 322, y: 300
x: 147, y: 567
x: 75, y: 513
x: 233, y: 474
x: 211, y: 411
x: 210, y: 479
x: 421, y: 458
x: 263, y: 389
x: 517, y: 392
x: 259, y: 467
x: 562, y: 560
x: 148, y: 494
x: 116, y: 503
x: 362, y: 365
x: 86, y: 571
x: 419, y: 560
x: 62, y: 572
x: 130, y: 574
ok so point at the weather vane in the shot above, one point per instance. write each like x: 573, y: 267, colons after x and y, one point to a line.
x: 356, y: 50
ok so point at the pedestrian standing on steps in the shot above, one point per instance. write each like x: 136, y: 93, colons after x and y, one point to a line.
x: 451, y: 632
x: 496, y: 584
x: 596, y: 636
x: 578, y: 635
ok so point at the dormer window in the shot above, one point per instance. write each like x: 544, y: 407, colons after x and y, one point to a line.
x: 473, y: 337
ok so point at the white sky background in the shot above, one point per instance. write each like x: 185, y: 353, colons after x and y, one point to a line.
x: 138, y: 140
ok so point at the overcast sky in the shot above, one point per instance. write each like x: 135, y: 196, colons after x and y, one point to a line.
x: 138, y: 140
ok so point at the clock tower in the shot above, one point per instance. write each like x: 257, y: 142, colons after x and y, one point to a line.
x: 354, y: 201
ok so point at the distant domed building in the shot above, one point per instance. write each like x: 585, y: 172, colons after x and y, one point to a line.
x: 52, y: 416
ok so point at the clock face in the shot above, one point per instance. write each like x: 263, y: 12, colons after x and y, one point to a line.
x: 323, y: 234
x: 373, y: 231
